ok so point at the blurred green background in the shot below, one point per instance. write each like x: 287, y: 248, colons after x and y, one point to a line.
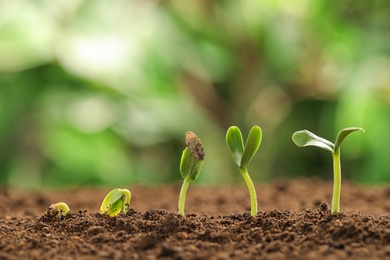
x: 102, y: 92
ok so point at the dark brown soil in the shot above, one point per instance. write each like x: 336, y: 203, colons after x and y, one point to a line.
x: 294, y: 222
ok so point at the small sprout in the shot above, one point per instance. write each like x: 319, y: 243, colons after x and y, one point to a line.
x: 115, y: 201
x: 242, y: 155
x: 305, y: 138
x: 190, y: 165
x: 59, y: 209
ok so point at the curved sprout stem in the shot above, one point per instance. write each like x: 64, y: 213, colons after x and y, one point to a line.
x: 126, y: 200
x: 252, y: 191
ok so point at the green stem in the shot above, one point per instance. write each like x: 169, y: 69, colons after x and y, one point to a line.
x: 126, y: 200
x: 336, y: 182
x: 252, y: 191
x: 182, y: 197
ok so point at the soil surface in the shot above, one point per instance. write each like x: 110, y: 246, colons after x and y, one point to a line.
x: 294, y: 222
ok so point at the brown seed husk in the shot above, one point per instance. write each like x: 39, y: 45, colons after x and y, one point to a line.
x: 194, y: 145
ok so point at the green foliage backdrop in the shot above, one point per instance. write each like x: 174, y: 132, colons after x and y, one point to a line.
x: 102, y: 92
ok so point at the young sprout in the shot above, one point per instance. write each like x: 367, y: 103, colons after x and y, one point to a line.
x: 305, y: 138
x: 190, y: 165
x: 115, y: 201
x: 59, y: 209
x: 242, y: 155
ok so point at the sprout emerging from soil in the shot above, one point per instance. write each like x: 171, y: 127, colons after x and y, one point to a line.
x: 305, y: 138
x: 190, y: 165
x: 115, y: 201
x: 59, y: 209
x: 242, y: 155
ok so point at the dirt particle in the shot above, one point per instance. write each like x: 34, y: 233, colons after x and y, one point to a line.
x: 45, y: 230
x: 120, y: 222
x: 324, y: 207
x: 95, y: 230
x: 54, y: 242
x: 274, y: 246
x: 169, y: 251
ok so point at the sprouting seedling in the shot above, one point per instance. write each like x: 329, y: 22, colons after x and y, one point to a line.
x: 190, y: 165
x: 242, y: 155
x: 305, y: 138
x: 115, y: 201
x: 59, y: 209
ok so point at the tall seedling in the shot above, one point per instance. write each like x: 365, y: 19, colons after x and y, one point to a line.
x: 305, y: 138
x: 242, y: 155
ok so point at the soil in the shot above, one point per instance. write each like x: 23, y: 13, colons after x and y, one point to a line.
x: 294, y: 222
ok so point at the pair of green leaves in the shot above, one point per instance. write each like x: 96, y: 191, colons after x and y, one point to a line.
x: 305, y: 138
x: 115, y: 201
x: 242, y: 155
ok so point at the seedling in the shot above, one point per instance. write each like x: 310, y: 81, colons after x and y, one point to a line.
x: 190, y: 165
x: 305, y: 138
x: 242, y: 155
x: 59, y: 209
x: 115, y: 201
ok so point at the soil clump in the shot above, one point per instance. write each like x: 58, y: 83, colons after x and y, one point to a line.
x: 294, y: 222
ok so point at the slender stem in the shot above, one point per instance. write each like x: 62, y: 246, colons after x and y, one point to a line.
x: 252, y: 191
x: 182, y: 197
x: 336, y: 182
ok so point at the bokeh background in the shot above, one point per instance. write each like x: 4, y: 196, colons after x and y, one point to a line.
x: 102, y: 92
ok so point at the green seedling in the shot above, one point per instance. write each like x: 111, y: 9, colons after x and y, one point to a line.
x: 242, y: 155
x: 305, y: 138
x: 115, y: 201
x: 190, y: 165
x: 59, y: 209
